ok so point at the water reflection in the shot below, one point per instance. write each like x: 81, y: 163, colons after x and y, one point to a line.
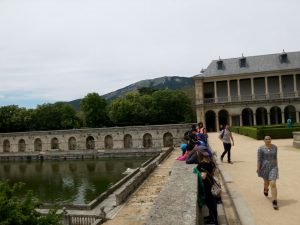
x: 68, y: 181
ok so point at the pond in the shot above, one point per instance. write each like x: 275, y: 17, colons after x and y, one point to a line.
x: 72, y: 182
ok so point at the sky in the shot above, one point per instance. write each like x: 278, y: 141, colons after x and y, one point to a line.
x: 61, y: 50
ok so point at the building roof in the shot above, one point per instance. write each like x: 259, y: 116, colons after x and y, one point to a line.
x: 253, y: 64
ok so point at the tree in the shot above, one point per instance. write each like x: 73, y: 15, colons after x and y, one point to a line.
x: 21, y: 210
x: 94, y: 108
x: 157, y: 107
x: 55, y: 116
x: 170, y: 106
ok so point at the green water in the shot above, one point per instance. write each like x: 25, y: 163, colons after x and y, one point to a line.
x: 74, y: 182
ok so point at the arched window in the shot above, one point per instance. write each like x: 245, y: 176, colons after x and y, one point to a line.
x: 275, y: 115
x: 223, y: 117
x: 72, y: 143
x: 37, y: 145
x: 261, y: 116
x: 210, y: 120
x: 6, y: 146
x: 90, y: 143
x: 168, y: 140
x: 54, y: 143
x: 290, y: 112
x: 147, y: 141
x: 247, y: 117
x: 108, y: 142
x: 127, y: 141
x: 22, y: 145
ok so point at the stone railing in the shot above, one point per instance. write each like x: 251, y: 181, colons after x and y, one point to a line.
x: 255, y: 97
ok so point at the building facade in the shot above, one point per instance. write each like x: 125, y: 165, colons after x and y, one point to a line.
x: 247, y: 91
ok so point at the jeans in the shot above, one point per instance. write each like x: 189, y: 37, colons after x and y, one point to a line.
x: 227, y: 148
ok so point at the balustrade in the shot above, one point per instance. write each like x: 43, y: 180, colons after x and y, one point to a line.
x: 270, y: 96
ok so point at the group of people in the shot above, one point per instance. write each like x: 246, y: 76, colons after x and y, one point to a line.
x: 198, y: 151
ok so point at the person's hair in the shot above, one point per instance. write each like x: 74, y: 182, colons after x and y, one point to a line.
x: 267, y: 135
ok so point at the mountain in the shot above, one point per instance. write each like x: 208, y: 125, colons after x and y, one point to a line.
x: 173, y: 82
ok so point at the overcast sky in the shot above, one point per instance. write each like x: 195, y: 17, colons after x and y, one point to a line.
x: 61, y: 50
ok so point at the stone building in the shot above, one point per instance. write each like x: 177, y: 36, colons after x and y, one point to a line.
x: 254, y: 90
x: 114, y: 139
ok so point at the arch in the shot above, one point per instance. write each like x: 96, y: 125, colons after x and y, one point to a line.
x: 147, y: 140
x: 290, y: 112
x: 168, y: 140
x: 210, y: 121
x: 38, y: 145
x: 21, y: 145
x: 90, y: 143
x: 6, y: 146
x: 261, y: 116
x: 127, y: 141
x: 54, y: 143
x: 72, y: 143
x: 223, y: 117
x: 247, y: 117
x: 108, y: 142
x: 275, y: 115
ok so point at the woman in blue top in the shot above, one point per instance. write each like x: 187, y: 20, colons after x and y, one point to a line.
x: 267, y: 168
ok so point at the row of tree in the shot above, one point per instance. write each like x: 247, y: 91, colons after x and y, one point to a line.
x: 145, y: 106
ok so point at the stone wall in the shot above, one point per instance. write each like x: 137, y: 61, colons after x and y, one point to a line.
x: 97, y: 139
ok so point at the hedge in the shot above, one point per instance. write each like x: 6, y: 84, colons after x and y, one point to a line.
x: 278, y: 131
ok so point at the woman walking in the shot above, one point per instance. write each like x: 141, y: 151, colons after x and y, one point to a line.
x: 267, y: 168
x: 227, y: 139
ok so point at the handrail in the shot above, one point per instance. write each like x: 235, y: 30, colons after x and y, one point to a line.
x: 256, y: 97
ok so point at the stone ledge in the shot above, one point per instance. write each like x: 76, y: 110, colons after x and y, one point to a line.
x: 177, y: 202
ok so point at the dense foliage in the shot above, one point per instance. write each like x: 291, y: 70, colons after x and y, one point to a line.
x: 145, y: 106
x: 153, y: 107
x: 20, y: 210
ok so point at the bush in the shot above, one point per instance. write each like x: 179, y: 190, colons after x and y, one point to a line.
x: 21, y: 210
x: 278, y: 131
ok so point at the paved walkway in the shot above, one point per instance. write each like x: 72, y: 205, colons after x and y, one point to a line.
x: 137, y: 208
x: 246, y: 188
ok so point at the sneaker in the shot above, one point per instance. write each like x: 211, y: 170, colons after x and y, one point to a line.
x: 266, y: 192
x: 221, y: 159
x: 275, y: 206
x: 230, y: 162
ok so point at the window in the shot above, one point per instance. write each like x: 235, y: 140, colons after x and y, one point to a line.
x: 220, y: 64
x: 243, y: 62
x: 283, y: 58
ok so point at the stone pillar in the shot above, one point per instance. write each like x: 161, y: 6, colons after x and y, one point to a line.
x: 252, y: 89
x: 200, y: 115
x: 254, y: 119
x: 297, y: 117
x: 198, y: 90
x: 282, y: 117
x: 229, y: 120
x: 295, y: 86
x: 217, y: 122
x: 228, y: 91
x: 266, y: 88
x: 238, y: 89
x: 269, y: 119
x: 280, y: 87
x: 241, y: 120
x: 215, y: 89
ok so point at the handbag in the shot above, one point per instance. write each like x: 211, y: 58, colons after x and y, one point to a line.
x: 216, y: 188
